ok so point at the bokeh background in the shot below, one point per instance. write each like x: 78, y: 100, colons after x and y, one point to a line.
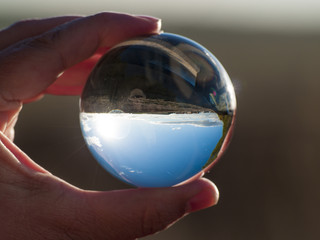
x: 269, y: 177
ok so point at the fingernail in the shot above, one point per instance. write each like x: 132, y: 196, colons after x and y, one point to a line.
x: 151, y: 18
x: 204, y: 199
x: 159, y: 26
x: 158, y: 21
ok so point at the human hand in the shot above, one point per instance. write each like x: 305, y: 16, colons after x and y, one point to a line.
x: 34, y: 204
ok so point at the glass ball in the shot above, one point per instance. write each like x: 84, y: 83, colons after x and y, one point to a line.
x: 157, y: 110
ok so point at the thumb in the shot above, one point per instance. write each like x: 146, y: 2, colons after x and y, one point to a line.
x: 134, y: 213
x: 47, y: 206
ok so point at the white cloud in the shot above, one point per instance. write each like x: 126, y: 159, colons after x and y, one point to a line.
x: 85, y: 126
x: 91, y: 141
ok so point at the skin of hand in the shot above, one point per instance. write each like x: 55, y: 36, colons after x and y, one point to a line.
x: 55, y: 56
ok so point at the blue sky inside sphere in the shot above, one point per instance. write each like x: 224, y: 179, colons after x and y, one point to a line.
x: 152, y: 150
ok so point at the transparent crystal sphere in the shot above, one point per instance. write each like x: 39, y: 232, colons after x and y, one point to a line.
x: 157, y: 110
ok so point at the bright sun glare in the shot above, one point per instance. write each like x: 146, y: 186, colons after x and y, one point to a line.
x: 111, y: 127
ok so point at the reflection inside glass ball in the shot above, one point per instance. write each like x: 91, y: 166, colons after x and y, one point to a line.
x: 156, y: 110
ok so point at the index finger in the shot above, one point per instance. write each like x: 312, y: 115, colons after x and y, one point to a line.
x: 28, y: 68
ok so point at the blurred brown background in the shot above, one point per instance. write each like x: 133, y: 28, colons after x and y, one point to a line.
x: 269, y: 177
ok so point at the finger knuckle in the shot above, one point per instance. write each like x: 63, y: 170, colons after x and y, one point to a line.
x: 102, y: 16
x: 46, y: 40
x: 157, y: 218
